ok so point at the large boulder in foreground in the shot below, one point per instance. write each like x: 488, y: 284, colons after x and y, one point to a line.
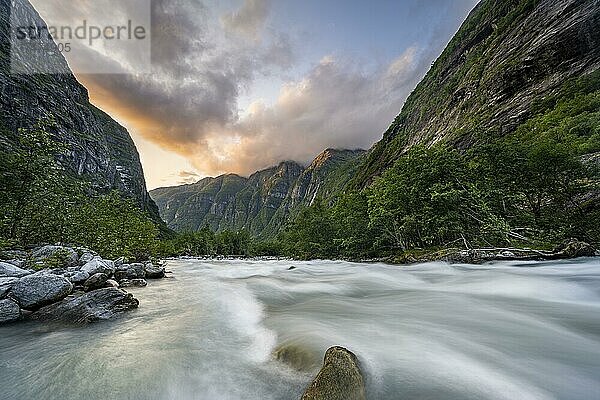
x: 90, y: 307
x: 36, y: 290
x: 10, y: 270
x: 339, y: 379
x: 9, y: 311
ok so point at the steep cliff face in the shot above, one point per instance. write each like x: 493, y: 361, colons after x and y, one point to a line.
x: 508, y: 55
x: 99, y: 149
x: 260, y: 203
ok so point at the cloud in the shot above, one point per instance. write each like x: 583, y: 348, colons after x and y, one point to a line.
x: 203, y: 65
x: 336, y: 104
x: 188, y: 177
x: 249, y: 20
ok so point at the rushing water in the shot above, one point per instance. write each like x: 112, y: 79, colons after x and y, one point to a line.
x: 432, y: 331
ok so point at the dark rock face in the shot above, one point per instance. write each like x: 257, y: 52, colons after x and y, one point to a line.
x: 100, y: 149
x: 261, y: 203
x: 11, y: 270
x: 101, y: 304
x: 9, y: 311
x: 36, y: 290
x: 339, y: 379
x: 507, y: 55
x: 96, y: 281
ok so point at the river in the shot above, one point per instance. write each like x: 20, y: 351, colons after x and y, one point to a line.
x: 430, y: 331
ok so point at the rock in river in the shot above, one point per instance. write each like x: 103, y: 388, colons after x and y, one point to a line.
x: 154, y: 272
x: 36, y: 290
x: 9, y: 311
x: 7, y: 269
x: 93, y: 306
x: 130, y: 271
x: 339, y: 379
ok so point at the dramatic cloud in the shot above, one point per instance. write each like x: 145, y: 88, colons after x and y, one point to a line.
x: 204, y: 65
x: 248, y: 20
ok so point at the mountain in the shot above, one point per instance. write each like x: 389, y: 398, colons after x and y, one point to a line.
x: 508, y: 58
x: 99, y: 149
x: 261, y: 203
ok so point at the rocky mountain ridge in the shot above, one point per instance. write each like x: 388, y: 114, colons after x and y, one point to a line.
x: 99, y: 149
x: 260, y: 203
x: 507, y: 58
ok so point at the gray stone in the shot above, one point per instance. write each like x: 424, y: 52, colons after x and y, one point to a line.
x: 339, y: 379
x: 6, y: 284
x: 7, y: 269
x: 36, y: 290
x: 93, y: 306
x: 154, y: 272
x: 79, y: 277
x: 133, y: 283
x: 96, y: 281
x: 9, y: 311
x: 130, y: 271
x: 99, y: 266
x: 17, y: 263
x: 86, y: 257
x: 65, y: 255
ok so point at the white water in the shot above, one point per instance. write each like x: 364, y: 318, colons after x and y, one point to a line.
x: 432, y: 331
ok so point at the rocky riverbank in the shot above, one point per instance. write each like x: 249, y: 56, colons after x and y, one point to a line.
x: 68, y: 284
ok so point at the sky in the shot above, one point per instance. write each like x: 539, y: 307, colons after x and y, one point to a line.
x: 240, y: 85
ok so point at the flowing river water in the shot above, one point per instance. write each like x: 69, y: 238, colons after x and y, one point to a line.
x: 430, y: 331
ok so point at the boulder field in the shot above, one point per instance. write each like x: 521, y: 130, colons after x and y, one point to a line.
x: 66, y: 284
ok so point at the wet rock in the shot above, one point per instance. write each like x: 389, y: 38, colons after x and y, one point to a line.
x: 574, y: 248
x: 99, y: 266
x: 120, y: 261
x: 154, y: 272
x: 9, y: 311
x: 339, y: 379
x: 133, y: 283
x: 130, y: 271
x: 101, y: 304
x: 6, y: 284
x: 7, y: 269
x: 58, y: 256
x: 299, y: 357
x: 36, y: 290
x: 96, y: 281
x: 291, y: 268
